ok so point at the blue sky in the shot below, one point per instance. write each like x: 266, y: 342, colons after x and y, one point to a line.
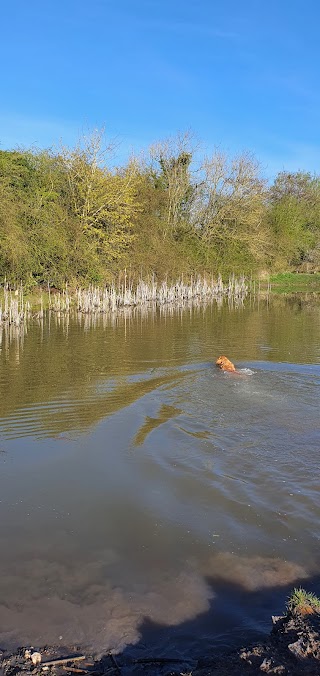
x: 242, y: 74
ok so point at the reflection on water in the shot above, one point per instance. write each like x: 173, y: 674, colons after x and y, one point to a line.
x: 141, y: 488
x: 165, y: 413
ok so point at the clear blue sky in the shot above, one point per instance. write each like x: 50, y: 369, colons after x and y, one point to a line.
x: 240, y: 74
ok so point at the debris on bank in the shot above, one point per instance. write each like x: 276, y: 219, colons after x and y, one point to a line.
x: 292, y: 649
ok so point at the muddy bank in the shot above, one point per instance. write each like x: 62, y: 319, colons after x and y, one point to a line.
x: 292, y: 648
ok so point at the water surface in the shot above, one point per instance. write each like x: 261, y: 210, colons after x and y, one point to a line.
x: 150, y: 503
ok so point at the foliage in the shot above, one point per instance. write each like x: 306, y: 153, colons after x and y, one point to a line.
x: 229, y: 209
x: 294, y: 217
x: 303, y: 602
x: 70, y: 215
x: 174, y: 156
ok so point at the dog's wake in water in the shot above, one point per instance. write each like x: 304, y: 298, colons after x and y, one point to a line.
x: 245, y: 372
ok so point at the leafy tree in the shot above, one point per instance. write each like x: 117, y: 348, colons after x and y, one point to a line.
x: 16, y: 184
x: 103, y: 201
x: 294, y: 215
x: 174, y: 157
x: 71, y: 215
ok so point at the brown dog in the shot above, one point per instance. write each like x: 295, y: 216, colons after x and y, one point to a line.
x: 225, y: 364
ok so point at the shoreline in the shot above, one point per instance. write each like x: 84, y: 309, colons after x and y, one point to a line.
x: 291, y: 649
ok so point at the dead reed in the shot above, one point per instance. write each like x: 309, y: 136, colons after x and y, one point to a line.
x: 14, y: 310
x: 147, y: 293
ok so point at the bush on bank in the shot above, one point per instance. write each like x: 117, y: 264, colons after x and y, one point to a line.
x: 70, y: 215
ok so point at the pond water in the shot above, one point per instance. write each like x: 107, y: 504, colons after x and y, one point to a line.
x: 150, y: 503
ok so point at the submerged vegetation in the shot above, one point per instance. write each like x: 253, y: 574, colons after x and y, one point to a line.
x: 71, y: 216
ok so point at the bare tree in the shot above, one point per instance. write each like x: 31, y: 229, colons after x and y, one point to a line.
x: 230, y: 200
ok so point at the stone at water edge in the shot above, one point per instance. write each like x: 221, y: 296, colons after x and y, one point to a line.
x: 36, y: 658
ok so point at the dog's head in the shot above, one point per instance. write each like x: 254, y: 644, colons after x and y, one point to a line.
x: 225, y: 363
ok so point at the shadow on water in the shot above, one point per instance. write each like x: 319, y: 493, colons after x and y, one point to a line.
x: 158, y: 650
x: 166, y: 413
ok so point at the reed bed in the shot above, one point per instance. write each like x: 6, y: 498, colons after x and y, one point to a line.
x: 60, y: 302
x: 14, y: 310
x: 110, y: 298
x: 63, y: 307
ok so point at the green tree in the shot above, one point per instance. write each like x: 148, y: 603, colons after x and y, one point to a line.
x: 17, y: 180
x: 103, y: 201
x: 294, y: 215
x: 174, y: 157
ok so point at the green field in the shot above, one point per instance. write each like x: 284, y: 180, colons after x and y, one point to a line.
x: 290, y: 282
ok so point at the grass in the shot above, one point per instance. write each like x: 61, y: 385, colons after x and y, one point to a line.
x: 303, y: 602
x: 284, y: 282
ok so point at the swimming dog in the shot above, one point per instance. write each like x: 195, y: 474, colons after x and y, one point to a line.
x: 225, y: 364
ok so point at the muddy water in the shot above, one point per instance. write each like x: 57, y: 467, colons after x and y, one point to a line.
x: 148, y: 502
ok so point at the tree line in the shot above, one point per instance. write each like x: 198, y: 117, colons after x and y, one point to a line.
x: 69, y: 215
